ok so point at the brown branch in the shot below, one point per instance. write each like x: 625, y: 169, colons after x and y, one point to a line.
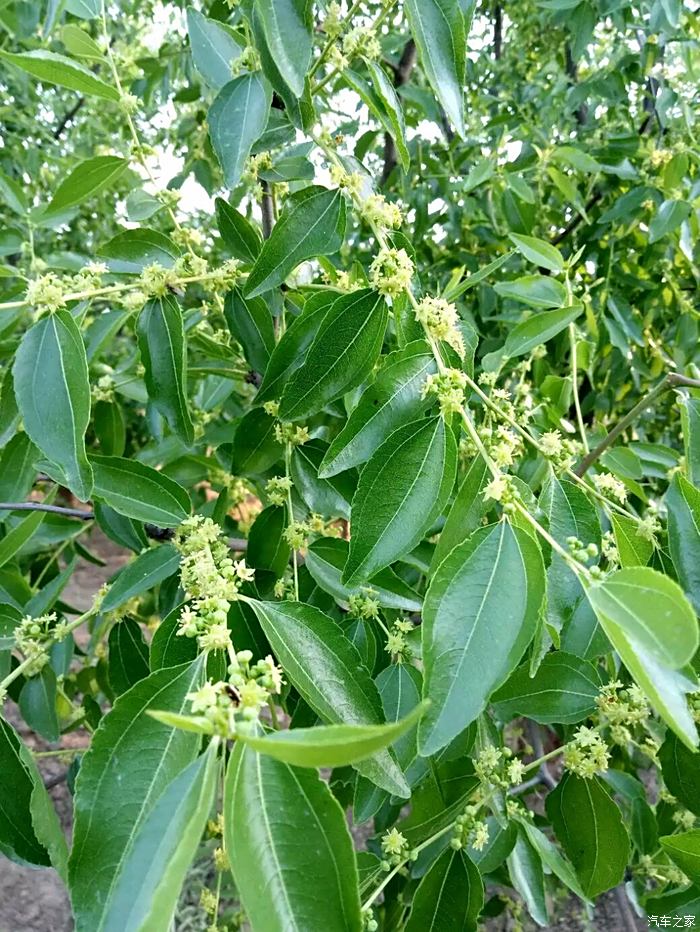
x: 581, y: 111
x: 672, y: 380
x: 577, y: 219
x: 497, y: 32
x: 70, y: 115
x: 268, y: 213
x: 402, y: 73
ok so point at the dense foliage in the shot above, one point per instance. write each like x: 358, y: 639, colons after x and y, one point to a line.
x: 402, y: 435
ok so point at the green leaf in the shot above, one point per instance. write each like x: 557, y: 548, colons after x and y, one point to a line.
x: 37, y: 703
x: 161, y: 336
x: 250, y: 322
x: 569, y: 514
x: 29, y: 828
x: 681, y: 771
x: 238, y: 234
x: 289, y: 354
x: 78, y: 42
x: 467, y: 510
x: 383, y: 102
x: 668, y: 217
x: 13, y: 194
x: 551, y: 857
x: 326, y: 559
x: 534, y: 290
x: 139, y: 491
x: 299, y: 110
x: 22, y: 532
x: 311, y: 224
x: 255, y: 447
x: 684, y: 850
x: 652, y: 626
x: 87, y: 179
x: 449, y: 898
x: 147, y: 889
x: 589, y: 826
x: 146, y: 571
x: 690, y: 422
x: 489, y: 590
x: 330, y: 745
x: 167, y: 648
x: 438, y: 28
x: 539, y: 252
x: 128, y: 656
x: 133, y: 250
x: 402, y: 490
x: 563, y: 690
x: 284, y: 825
x: 287, y: 25
x: 53, y: 396
x: 214, y: 48
x: 237, y: 119
x: 326, y: 669
x: 342, y: 354
x: 328, y: 497
x: 632, y: 549
x: 527, y: 876
x: 267, y: 548
x: 683, y: 504
x: 131, y: 760
x: 538, y: 329
x: 395, y: 398
x: 51, y: 68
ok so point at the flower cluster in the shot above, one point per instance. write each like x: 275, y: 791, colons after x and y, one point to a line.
x: 224, y: 705
x: 587, y: 754
x: 449, y: 387
x: 104, y: 389
x: 396, y: 849
x: 581, y: 552
x: 441, y: 321
x: 363, y: 606
x: 89, y: 277
x: 295, y: 434
x: 391, y: 272
x: 277, y: 489
x: 561, y: 451
x: 397, y: 643
x: 47, y: 292
x: 363, y: 41
x: 502, y: 489
x: 609, y: 549
x: 623, y: 708
x: 379, y: 212
x: 470, y: 831
x: 248, y: 60
x: 33, y: 637
x: 352, y: 182
x: 333, y: 23
x: 497, y: 767
x: 255, y: 164
x: 608, y: 485
x: 211, y: 580
x: 296, y: 534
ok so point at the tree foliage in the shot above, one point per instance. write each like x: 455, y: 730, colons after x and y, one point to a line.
x: 367, y: 331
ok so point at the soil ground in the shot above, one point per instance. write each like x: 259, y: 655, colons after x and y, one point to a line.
x: 35, y: 900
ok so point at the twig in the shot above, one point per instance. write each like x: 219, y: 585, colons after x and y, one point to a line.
x: 68, y: 117
x: 497, y: 32
x: 152, y: 530
x: 53, y: 509
x: 268, y: 214
x: 623, y: 904
x: 672, y: 380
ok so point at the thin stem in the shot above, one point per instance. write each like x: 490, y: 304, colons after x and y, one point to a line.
x: 53, y: 509
x: 672, y: 380
x: 392, y: 873
x: 290, y: 516
x: 326, y: 50
x: 574, y: 380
